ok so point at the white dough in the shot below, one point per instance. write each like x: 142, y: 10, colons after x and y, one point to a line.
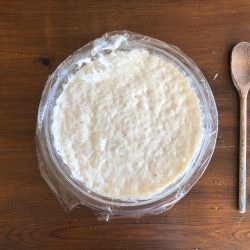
x: 127, y: 124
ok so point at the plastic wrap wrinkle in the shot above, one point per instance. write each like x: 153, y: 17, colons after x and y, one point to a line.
x: 70, y: 192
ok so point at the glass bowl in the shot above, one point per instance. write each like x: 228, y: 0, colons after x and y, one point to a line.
x: 72, y: 193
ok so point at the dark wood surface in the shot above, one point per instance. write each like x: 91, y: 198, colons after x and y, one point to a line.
x: 35, y: 36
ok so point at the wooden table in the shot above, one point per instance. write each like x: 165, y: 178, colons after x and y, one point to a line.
x: 35, y: 36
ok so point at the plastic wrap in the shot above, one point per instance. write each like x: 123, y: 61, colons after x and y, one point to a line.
x: 71, y: 193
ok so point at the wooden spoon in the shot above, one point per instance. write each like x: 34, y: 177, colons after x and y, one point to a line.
x: 240, y: 70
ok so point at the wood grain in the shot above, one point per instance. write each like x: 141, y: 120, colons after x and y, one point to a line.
x: 35, y: 37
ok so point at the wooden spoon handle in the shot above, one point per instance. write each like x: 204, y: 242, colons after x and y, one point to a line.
x: 243, y: 147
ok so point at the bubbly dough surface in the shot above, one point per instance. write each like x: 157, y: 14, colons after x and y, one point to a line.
x: 127, y: 124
